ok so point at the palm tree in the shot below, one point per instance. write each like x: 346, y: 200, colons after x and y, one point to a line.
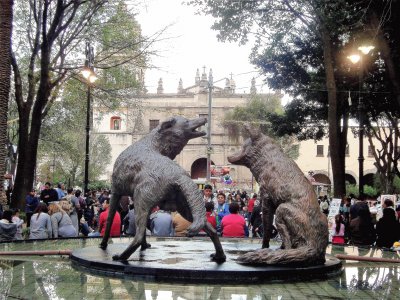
x: 6, y: 17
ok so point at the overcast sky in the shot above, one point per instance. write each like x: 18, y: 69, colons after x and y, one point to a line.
x: 191, y: 44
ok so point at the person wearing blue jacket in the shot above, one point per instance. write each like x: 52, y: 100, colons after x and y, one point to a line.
x: 221, y: 210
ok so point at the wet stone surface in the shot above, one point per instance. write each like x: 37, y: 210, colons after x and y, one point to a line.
x: 189, y: 260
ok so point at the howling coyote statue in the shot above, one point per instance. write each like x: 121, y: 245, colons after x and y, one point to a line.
x: 146, y: 171
x: 286, y: 193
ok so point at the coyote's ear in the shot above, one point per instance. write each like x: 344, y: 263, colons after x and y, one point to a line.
x: 253, y: 132
x: 167, y: 124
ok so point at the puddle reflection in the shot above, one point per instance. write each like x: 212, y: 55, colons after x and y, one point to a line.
x: 55, y: 278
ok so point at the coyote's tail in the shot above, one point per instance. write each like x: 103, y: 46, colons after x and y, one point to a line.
x: 196, y: 203
x: 300, y: 256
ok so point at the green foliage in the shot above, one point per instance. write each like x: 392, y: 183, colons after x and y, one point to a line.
x: 99, y: 185
x: 258, y: 112
x: 370, y: 191
x: 118, y: 64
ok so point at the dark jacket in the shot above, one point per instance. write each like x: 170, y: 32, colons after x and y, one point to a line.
x: 387, y: 229
x: 31, y: 202
x: 52, y: 196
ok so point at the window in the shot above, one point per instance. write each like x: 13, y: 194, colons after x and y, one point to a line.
x: 320, y: 150
x: 370, y: 151
x: 153, y: 124
x: 115, y: 123
x: 347, y: 150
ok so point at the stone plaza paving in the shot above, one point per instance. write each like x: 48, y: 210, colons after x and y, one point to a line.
x: 55, y: 277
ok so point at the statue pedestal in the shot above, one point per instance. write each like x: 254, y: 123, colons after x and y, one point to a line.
x: 188, y: 260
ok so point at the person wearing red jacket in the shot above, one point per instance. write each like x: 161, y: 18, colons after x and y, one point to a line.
x: 116, y: 225
x: 234, y: 225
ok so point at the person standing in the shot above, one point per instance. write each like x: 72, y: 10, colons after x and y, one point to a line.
x: 40, y: 223
x: 31, y: 202
x: 48, y: 194
x: 256, y: 220
x: 60, y: 190
x: 222, y: 209
x: 208, y: 195
x: 250, y: 206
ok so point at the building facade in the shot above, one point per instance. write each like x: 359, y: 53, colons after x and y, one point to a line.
x: 132, y: 122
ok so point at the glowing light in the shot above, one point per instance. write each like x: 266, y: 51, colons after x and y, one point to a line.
x: 366, y: 49
x: 355, y: 58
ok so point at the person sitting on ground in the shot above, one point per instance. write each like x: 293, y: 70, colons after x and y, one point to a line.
x: 387, y: 229
x: 8, y: 229
x: 338, y: 230
x: 362, y: 231
x: 40, y: 223
x: 234, y: 225
x: 210, y: 214
x: 161, y: 223
x: 358, y: 204
x: 180, y: 224
x: 61, y: 222
x: 387, y: 203
x: 129, y: 221
x: 19, y: 222
x: 68, y: 206
x: 116, y: 224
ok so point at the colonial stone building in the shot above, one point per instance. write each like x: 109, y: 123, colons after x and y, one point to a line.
x: 132, y: 121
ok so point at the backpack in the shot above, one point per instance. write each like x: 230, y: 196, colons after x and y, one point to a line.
x: 82, y: 203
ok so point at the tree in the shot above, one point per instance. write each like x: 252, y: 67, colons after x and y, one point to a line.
x: 282, y: 29
x: 50, y: 36
x: 118, y: 84
x: 60, y: 147
x: 6, y: 19
x: 258, y: 111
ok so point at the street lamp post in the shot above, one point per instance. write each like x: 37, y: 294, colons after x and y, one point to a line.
x: 357, y: 59
x: 90, y: 76
x: 209, y: 149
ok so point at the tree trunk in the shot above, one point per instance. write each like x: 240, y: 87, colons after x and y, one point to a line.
x: 335, y: 146
x: 6, y: 18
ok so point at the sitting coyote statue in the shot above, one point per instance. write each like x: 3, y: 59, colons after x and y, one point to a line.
x: 286, y: 193
x: 147, y: 172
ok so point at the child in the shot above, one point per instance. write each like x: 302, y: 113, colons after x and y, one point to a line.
x: 16, y: 220
x: 338, y: 230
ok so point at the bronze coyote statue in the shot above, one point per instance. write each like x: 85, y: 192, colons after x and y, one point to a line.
x: 286, y: 193
x: 147, y: 172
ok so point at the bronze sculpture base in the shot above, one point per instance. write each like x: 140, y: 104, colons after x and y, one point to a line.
x: 188, y: 260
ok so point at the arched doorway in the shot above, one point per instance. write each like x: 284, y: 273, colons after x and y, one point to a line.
x: 369, y: 179
x: 199, y: 168
x: 322, y: 178
x: 349, y: 179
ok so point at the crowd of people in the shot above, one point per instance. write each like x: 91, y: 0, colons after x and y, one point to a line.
x: 65, y: 213
x: 357, y: 224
